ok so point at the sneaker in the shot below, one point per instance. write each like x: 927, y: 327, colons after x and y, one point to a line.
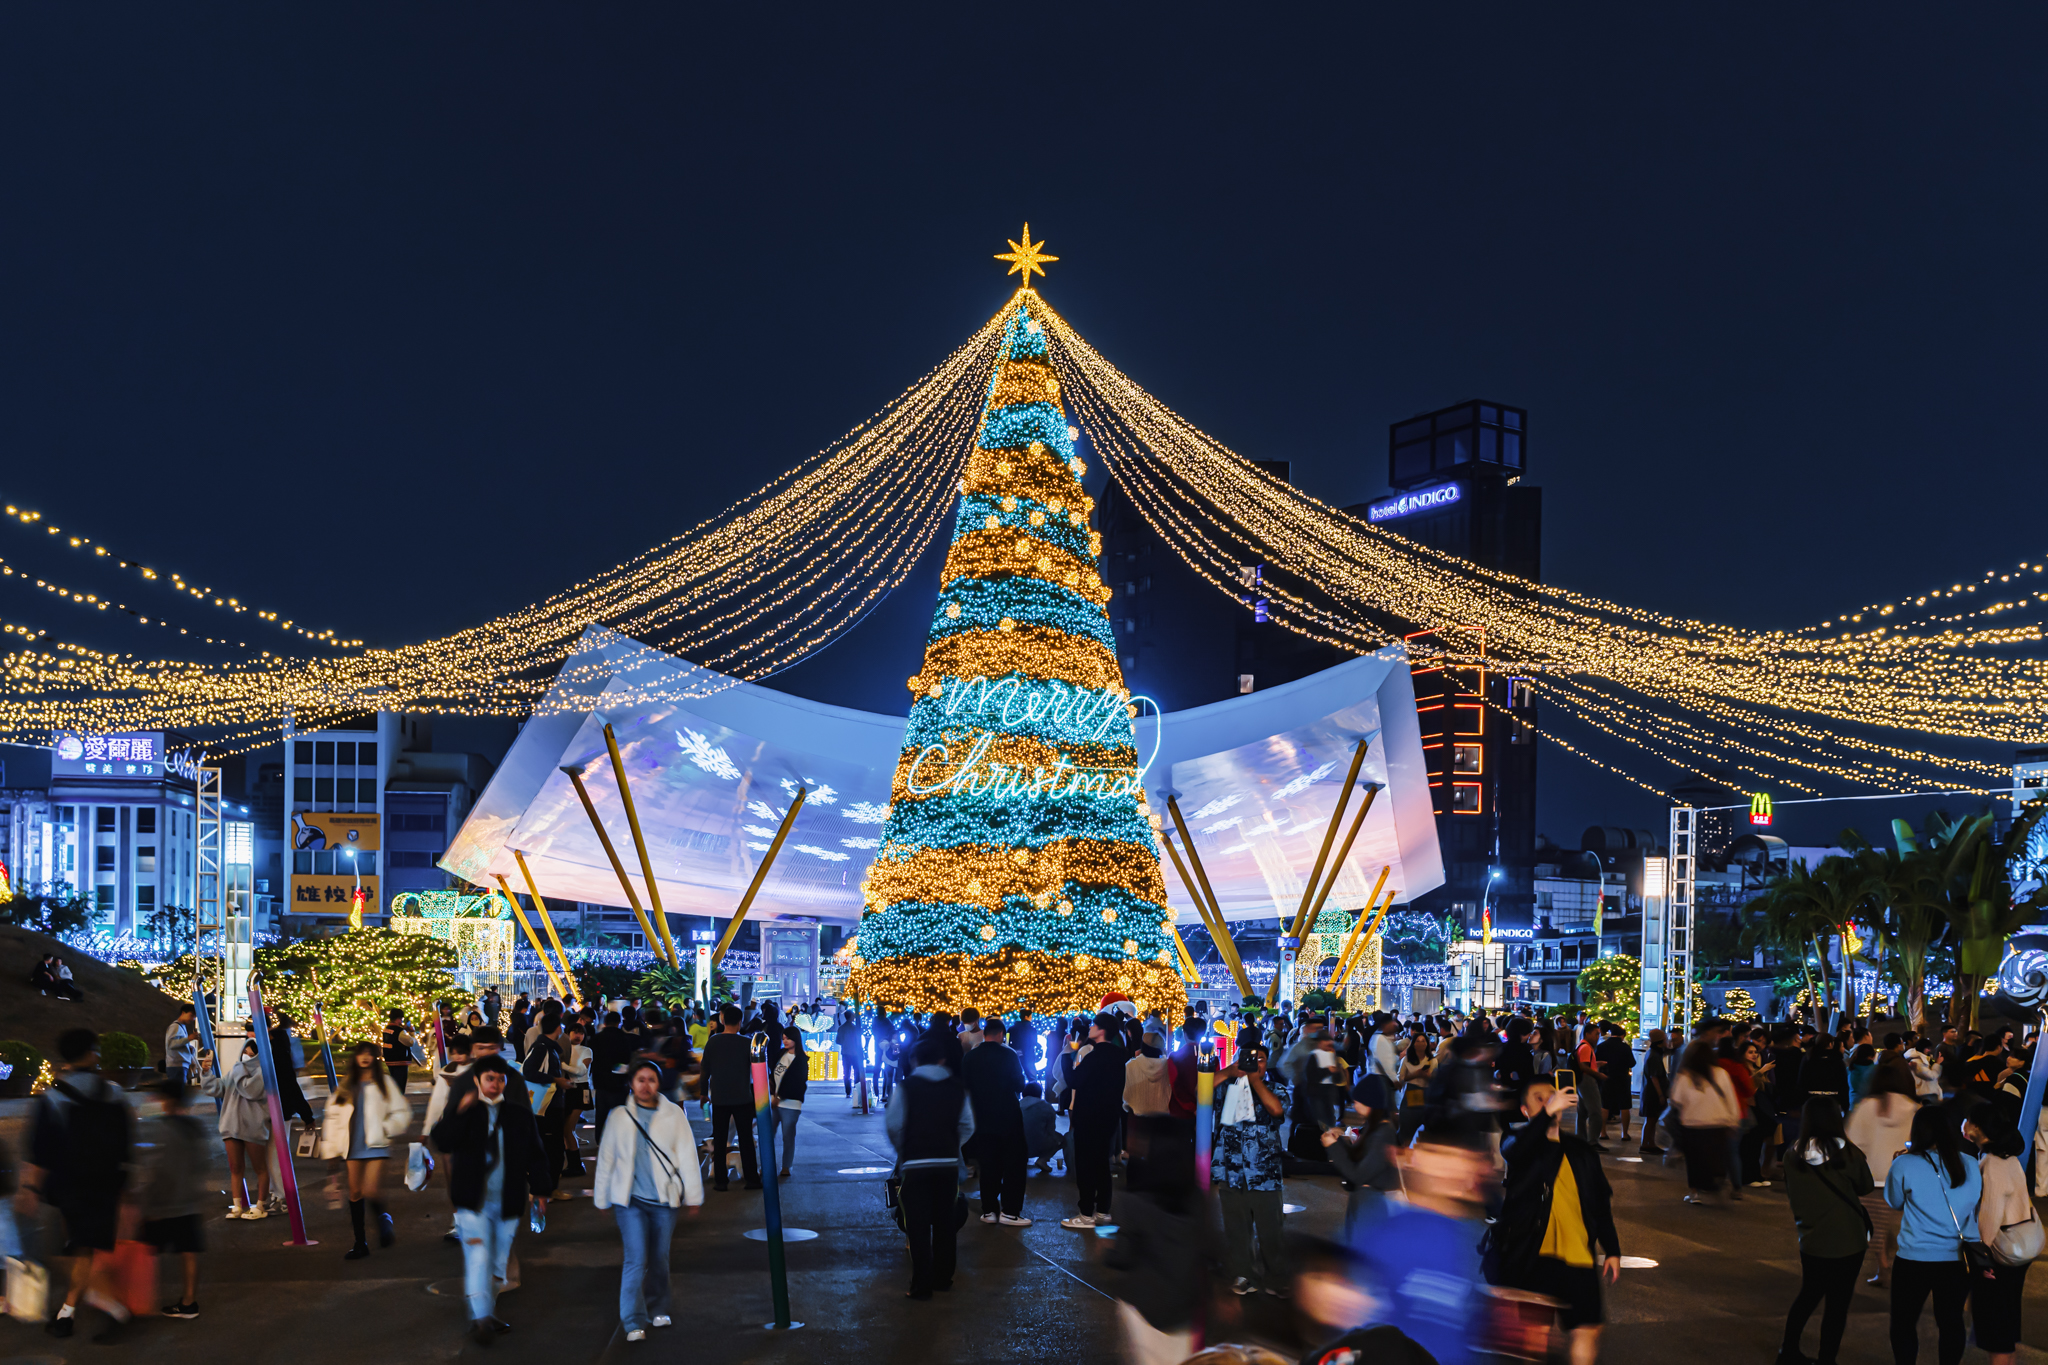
x: 60, y: 1327
x: 660, y: 1320
x: 482, y: 1333
x: 1103, y: 1220
x: 1242, y: 1287
x: 183, y: 1310
x: 1078, y: 1221
x: 636, y: 1335
x: 1011, y: 1220
x: 988, y: 1218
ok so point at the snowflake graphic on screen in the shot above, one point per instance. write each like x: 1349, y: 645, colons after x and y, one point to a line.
x: 699, y: 751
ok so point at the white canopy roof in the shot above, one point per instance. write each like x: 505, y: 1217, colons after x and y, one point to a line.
x: 714, y: 761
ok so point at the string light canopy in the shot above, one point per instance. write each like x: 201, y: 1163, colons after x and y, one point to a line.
x: 1861, y: 697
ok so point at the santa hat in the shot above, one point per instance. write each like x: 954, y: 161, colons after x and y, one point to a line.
x: 1116, y: 1002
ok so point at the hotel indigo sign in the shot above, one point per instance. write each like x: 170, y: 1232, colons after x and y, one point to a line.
x: 1421, y: 500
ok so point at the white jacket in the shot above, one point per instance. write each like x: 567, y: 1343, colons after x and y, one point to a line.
x: 1706, y: 1106
x: 678, y: 1178
x: 386, y: 1116
x: 1880, y: 1126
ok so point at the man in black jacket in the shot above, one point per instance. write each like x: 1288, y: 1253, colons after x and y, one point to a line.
x: 995, y: 1078
x: 611, y: 1052
x: 928, y: 1119
x: 1617, y: 1076
x: 1557, y: 1209
x: 1095, y: 1099
x: 727, y: 1079
x: 495, y: 1161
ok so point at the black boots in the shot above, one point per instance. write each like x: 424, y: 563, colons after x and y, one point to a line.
x: 387, y: 1233
x: 355, y: 1220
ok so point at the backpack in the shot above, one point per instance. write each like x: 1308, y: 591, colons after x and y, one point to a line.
x: 94, y: 1146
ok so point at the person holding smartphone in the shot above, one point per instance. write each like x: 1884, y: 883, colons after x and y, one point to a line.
x: 1555, y: 1232
x: 1248, y: 1174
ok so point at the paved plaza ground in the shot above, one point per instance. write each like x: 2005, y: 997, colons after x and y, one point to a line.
x: 1717, y: 1294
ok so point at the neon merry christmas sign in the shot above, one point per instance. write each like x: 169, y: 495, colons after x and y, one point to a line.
x: 1080, y: 714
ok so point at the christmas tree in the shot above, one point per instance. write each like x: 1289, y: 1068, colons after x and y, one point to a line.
x: 1018, y: 867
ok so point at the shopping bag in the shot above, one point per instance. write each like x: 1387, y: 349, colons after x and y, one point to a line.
x: 419, y: 1166
x: 28, y: 1290
x: 133, y: 1270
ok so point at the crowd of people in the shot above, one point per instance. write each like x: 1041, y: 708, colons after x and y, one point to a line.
x: 1470, y: 1149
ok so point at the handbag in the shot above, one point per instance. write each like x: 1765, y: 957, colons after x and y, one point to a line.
x: 2019, y: 1243
x: 133, y: 1268
x: 28, y: 1290
x: 1975, y: 1256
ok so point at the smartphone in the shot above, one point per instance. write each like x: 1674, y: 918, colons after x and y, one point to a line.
x: 1567, y: 1081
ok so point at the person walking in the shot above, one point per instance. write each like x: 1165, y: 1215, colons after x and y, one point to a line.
x: 994, y: 1076
x: 1418, y: 1061
x: 366, y: 1114
x: 847, y: 1037
x: 1937, y: 1192
x: 399, y: 1042
x: 1366, y: 1165
x: 1881, y: 1125
x: 1704, y: 1099
x: 171, y: 1190
x: 81, y: 1148
x: 1247, y: 1171
x: 1556, y: 1209
x: 1095, y: 1102
x: 244, y: 1128
x: 929, y: 1118
x: 1618, y: 1064
x: 646, y: 1170
x: 2003, y: 1213
x: 1591, y: 1076
x: 1827, y: 1178
x: 548, y: 1090
x: 496, y: 1163
x: 727, y: 1081
x: 787, y: 1084
x: 1656, y: 1089
x: 611, y: 1053
x: 181, y: 1043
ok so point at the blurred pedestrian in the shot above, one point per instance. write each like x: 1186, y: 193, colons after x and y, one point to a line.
x: 497, y: 1164
x: 171, y: 1191
x: 1703, y: 1098
x: 367, y: 1113
x: 81, y: 1145
x: 929, y: 1118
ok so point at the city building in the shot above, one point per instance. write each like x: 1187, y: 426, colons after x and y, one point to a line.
x: 367, y: 810
x: 1457, y: 476
x: 1182, y: 641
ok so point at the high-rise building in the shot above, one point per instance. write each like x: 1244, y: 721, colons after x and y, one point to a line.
x: 1181, y: 640
x: 1457, y: 476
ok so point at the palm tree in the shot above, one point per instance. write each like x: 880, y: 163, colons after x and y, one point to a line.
x: 1906, y: 898
x: 1967, y: 869
x: 1820, y: 902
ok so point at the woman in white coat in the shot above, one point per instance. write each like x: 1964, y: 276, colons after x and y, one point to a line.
x: 367, y: 1113
x: 646, y: 1170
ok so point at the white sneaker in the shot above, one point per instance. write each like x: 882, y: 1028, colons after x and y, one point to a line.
x: 1103, y: 1220
x: 1079, y: 1221
x: 636, y: 1335
x: 988, y: 1218
x: 1011, y: 1220
x: 660, y: 1320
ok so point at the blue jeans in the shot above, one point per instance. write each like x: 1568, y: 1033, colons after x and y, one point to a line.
x: 644, y: 1288
x: 486, y: 1242
x: 786, y: 1122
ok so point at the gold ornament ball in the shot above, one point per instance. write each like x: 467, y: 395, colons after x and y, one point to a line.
x: 1109, y: 917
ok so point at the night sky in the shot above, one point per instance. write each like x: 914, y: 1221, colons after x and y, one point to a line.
x: 393, y: 318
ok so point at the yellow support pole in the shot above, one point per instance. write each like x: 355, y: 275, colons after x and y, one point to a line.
x: 531, y: 937
x: 1219, y: 931
x: 760, y: 875
x: 547, y: 922
x: 1373, y: 928
x: 1315, y: 876
x: 1358, y: 930
x: 632, y: 897
x: 611, y: 742
x: 1337, y: 866
x: 1220, y: 928
x: 1187, y: 961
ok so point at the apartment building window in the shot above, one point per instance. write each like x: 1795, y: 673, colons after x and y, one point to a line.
x: 103, y: 820
x: 145, y: 858
x: 103, y: 860
x: 145, y: 820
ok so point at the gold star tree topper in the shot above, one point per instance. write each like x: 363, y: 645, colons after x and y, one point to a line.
x: 1024, y: 257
